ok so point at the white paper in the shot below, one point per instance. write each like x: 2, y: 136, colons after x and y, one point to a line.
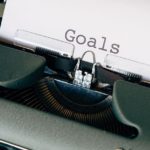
x: 124, y: 23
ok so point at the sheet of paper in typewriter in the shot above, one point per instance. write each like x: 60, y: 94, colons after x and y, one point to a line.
x: 118, y: 27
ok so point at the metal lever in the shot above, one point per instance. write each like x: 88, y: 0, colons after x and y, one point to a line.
x: 81, y: 78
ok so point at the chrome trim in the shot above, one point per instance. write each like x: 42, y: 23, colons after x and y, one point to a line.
x: 13, y: 145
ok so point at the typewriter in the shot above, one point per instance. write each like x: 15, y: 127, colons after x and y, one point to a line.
x: 64, y: 88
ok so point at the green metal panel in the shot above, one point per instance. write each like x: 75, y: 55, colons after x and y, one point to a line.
x: 131, y: 103
x: 19, y: 69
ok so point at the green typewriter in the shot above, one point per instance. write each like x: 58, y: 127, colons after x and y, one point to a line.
x: 53, y: 97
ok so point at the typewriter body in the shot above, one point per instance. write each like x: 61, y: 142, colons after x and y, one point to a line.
x: 74, y: 75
